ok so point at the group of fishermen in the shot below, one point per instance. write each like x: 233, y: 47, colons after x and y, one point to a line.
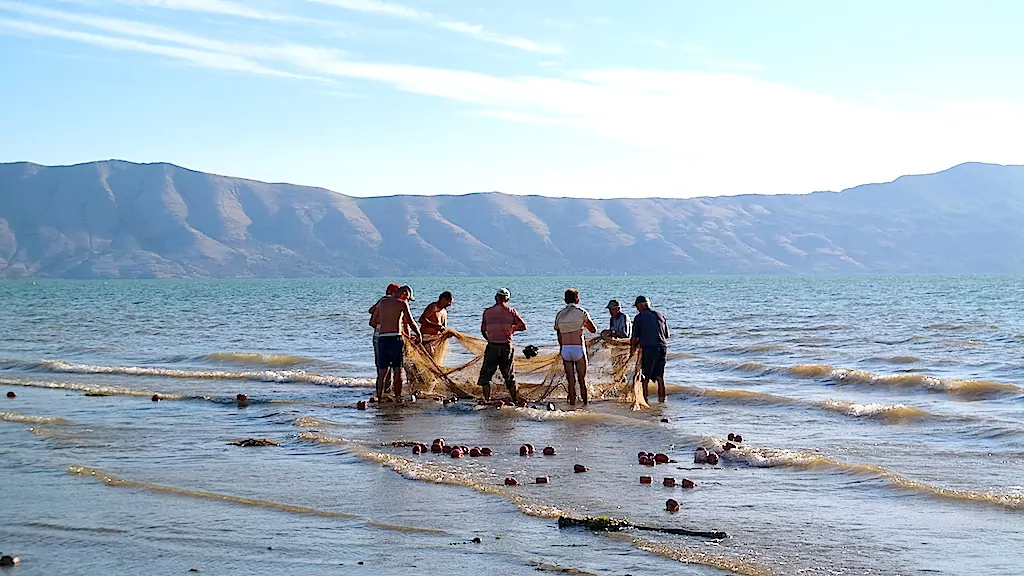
x: 392, y: 321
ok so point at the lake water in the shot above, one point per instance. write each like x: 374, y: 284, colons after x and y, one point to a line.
x: 883, y: 420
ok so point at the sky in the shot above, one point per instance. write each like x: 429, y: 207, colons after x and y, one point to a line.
x: 586, y: 98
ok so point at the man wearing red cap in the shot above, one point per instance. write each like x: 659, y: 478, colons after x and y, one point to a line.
x: 388, y: 293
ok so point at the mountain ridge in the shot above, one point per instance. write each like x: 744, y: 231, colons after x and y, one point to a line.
x: 122, y: 219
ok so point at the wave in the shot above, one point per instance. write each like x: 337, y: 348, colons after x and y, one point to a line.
x: 27, y: 419
x: 974, y: 388
x: 429, y: 471
x: 275, y: 376
x: 111, y: 480
x: 752, y: 349
x: 699, y: 556
x: 257, y: 359
x: 892, y: 412
x: 91, y: 389
x: 896, y: 359
x: 313, y: 422
x: 806, y: 460
x: 887, y: 412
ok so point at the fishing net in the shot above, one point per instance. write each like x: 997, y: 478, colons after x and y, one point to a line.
x: 437, y: 368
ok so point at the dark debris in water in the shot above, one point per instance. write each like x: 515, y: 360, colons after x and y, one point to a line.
x: 249, y: 442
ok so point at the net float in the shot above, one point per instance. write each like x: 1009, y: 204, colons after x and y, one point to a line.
x: 700, y: 455
x: 664, y: 420
x: 439, y: 441
x: 465, y: 449
x: 474, y: 452
x: 446, y: 449
x: 524, y: 451
x: 645, y: 461
x: 529, y: 447
x: 579, y: 468
x: 549, y: 451
x: 661, y: 458
x: 12, y: 395
x: 417, y: 449
x: 242, y: 400
x: 731, y: 437
x: 7, y: 561
x: 738, y: 439
x: 671, y: 505
x: 645, y: 479
x: 542, y: 480
x: 373, y: 400
x: 687, y: 483
x: 641, y: 455
x: 511, y: 481
x: 436, y: 448
x: 456, y: 453
x: 728, y: 446
x: 361, y: 405
x: 155, y: 398
x: 712, y: 459
x: 486, y: 451
x: 669, y: 482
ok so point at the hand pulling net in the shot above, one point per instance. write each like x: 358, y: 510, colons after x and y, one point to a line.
x: 613, y: 373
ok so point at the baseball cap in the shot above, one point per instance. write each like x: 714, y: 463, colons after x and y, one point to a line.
x: 409, y: 288
x: 613, y: 304
x: 504, y: 293
x: 641, y: 300
x: 392, y: 288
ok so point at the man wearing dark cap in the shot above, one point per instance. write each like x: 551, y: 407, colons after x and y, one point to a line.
x: 499, y: 323
x: 619, y: 325
x: 650, y: 334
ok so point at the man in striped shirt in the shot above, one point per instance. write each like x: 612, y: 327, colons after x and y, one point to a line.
x: 499, y: 323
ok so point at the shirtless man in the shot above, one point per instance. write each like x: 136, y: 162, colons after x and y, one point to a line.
x: 498, y: 324
x: 434, y: 324
x: 394, y: 318
x: 569, y: 325
x: 388, y: 293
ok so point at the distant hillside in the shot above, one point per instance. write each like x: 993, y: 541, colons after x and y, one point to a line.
x: 119, y: 219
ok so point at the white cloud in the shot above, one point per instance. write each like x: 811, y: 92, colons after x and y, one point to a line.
x: 224, y: 7
x: 737, y: 65
x: 204, y: 58
x: 694, y: 48
x: 472, y: 30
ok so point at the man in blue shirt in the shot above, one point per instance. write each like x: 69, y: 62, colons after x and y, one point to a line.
x: 619, y: 325
x: 650, y: 334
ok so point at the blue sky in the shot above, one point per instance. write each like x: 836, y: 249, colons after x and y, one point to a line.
x: 567, y: 98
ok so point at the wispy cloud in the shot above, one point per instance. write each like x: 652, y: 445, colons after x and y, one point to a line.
x: 736, y: 65
x: 694, y: 48
x: 204, y: 58
x: 223, y: 7
x: 472, y: 30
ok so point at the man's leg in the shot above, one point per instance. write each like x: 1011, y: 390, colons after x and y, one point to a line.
x: 508, y: 372
x: 487, y: 369
x: 382, y: 374
x: 659, y: 373
x: 570, y: 378
x: 581, y: 370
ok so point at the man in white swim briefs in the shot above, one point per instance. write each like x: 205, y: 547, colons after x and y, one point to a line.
x: 569, y: 325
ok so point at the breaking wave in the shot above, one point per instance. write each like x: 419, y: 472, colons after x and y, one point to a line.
x: 275, y: 376
x: 257, y: 359
x: 808, y: 460
x: 970, y: 388
x: 27, y: 419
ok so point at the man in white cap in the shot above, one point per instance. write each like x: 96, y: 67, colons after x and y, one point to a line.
x: 650, y: 334
x: 498, y: 325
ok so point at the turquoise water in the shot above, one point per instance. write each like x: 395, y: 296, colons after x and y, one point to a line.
x: 882, y: 419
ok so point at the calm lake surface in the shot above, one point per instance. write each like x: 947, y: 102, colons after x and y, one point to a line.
x: 883, y: 425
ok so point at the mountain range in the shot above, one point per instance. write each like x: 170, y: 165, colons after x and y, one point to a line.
x: 121, y: 219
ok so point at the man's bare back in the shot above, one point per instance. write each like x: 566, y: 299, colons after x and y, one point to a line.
x: 393, y: 317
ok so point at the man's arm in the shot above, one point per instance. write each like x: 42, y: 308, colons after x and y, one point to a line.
x: 589, y: 324
x: 407, y: 319
x: 635, y: 340
x: 426, y: 321
x: 483, y: 325
x: 520, y: 325
x: 374, y: 318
